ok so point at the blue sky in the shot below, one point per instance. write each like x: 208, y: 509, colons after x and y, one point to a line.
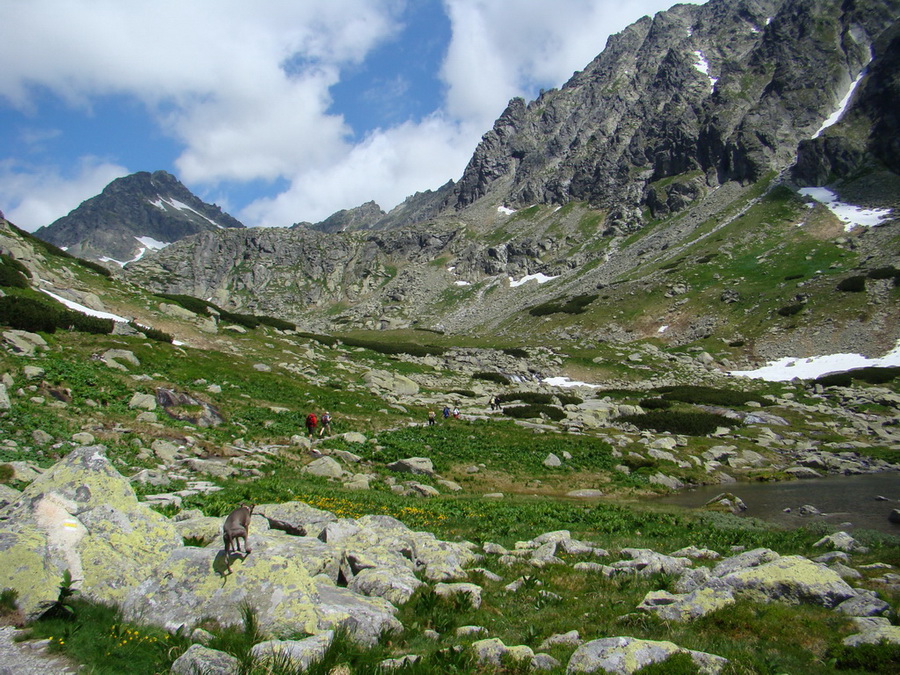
x: 278, y: 111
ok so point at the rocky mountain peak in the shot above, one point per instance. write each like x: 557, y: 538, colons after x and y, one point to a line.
x: 136, y: 213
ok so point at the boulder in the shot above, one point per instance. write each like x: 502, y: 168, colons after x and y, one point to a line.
x: 142, y: 401
x: 296, y: 518
x: 81, y: 515
x: 414, y: 465
x: 874, y: 634
x: 391, y: 382
x: 114, y: 358
x: 625, y: 655
x: 396, y: 585
x: 5, y: 403
x: 790, y: 579
x: 297, y: 654
x: 23, y: 342
x: 200, y: 659
x: 473, y: 591
x: 493, y: 652
x: 325, y: 467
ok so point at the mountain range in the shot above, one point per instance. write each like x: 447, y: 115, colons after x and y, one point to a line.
x: 663, y: 191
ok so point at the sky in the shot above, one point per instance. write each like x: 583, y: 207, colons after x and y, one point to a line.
x: 279, y: 111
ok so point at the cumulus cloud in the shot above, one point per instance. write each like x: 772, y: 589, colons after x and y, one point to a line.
x: 244, y: 88
x: 36, y: 196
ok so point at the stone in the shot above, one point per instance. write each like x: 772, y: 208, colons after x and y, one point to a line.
x: 841, y: 541
x: 552, y: 461
x: 792, y: 580
x: 874, y: 635
x: 83, y: 438
x: 324, y: 466
x: 866, y: 603
x: 570, y: 639
x: 298, y: 654
x: 391, y: 382
x: 414, y: 465
x: 5, y: 403
x: 353, y: 437
x: 625, y: 655
x: 492, y: 651
x: 142, y: 401
x: 23, y: 342
x: 81, y: 515
x: 114, y: 358
x: 41, y: 437
x: 586, y: 493
x: 473, y: 591
x: 164, y: 450
x: 396, y: 585
x: 200, y: 659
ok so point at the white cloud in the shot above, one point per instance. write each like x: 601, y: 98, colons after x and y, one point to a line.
x: 36, y: 196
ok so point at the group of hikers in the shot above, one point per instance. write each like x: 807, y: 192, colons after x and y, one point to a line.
x: 323, y: 424
x: 447, y: 412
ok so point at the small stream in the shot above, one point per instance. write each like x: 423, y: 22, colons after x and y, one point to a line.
x: 846, y: 502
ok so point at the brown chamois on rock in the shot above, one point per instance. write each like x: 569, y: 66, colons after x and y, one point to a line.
x: 235, y: 528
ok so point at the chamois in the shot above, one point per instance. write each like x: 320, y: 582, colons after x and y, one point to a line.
x: 235, y: 528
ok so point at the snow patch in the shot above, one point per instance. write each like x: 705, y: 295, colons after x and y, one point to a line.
x: 790, y: 367
x: 662, y: 329
x: 566, y: 382
x: 842, y: 106
x: 159, y: 203
x: 84, y: 310
x: 461, y: 283
x: 152, y: 244
x: 181, y: 206
x: 852, y: 216
x: 505, y: 210
x: 702, y: 65
x: 540, y: 278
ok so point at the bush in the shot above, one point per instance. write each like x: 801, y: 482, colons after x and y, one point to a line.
x: 883, y: 657
x: 526, y: 397
x: 535, y: 410
x: 152, y: 333
x: 395, y: 347
x: 655, y: 403
x: 468, y: 393
x: 706, y: 395
x: 570, y: 399
x: 790, y: 310
x: 793, y: 277
x: 834, y: 380
x: 13, y: 274
x: 499, y: 378
x: 889, y: 272
x: 688, y: 423
x: 855, y: 284
x: 516, y: 353
x: 870, y: 375
x: 36, y: 316
x: 576, y: 305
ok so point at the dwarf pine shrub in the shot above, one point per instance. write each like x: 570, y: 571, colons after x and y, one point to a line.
x: 790, y: 310
x: 532, y: 397
x: 706, y: 395
x: 499, y: 378
x: 535, y: 410
x: 13, y: 274
x: 854, y: 284
x: 687, y: 423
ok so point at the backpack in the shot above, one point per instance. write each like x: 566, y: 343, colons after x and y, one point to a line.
x: 311, y: 420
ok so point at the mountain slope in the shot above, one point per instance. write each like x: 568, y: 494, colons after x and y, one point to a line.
x: 134, y: 214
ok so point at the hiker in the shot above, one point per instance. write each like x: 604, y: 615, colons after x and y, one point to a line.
x: 326, y: 424
x: 446, y: 411
x: 431, y: 418
x: 494, y: 403
x: 311, y: 423
x: 455, y: 413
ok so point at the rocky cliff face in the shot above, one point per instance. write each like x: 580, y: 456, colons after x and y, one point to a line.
x: 678, y: 104
x: 132, y: 215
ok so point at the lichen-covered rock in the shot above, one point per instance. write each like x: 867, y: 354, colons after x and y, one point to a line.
x: 296, y: 517
x: 647, y: 562
x: 791, y: 579
x: 200, y: 659
x: 299, y: 654
x: 81, y: 515
x: 865, y: 603
x: 396, y: 585
x: 473, y: 591
x: 625, y: 655
x: 194, y: 583
x: 414, y: 465
x: 391, y: 382
x: 365, y: 618
x: 492, y: 651
x: 687, y: 607
x: 326, y: 467
x: 876, y: 632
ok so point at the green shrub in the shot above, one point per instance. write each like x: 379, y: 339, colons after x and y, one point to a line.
x: 793, y: 277
x: 535, y: 410
x: 737, y: 343
x: 706, y: 395
x: 883, y: 657
x: 688, y: 423
x: 468, y: 393
x: 655, y: 403
x: 576, y: 305
x: 152, y: 333
x: 516, y: 353
x: 533, y: 397
x: 834, y: 380
x: 569, y: 399
x: 499, y: 378
x: 790, y: 310
x: 6, y: 473
x: 13, y: 274
x: 889, y: 272
x: 36, y: 316
x: 94, y: 266
x: 705, y: 259
x: 395, y: 347
x: 855, y: 284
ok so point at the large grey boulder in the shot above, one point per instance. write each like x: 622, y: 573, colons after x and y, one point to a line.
x: 81, y: 515
x: 414, y: 465
x: 393, y: 383
x: 200, y: 659
x: 296, y: 517
x: 324, y: 467
x: 625, y: 655
x: 299, y: 654
x: 23, y: 342
x: 396, y: 585
x: 790, y: 579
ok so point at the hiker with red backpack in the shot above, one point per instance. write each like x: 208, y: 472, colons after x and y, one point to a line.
x: 311, y: 423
